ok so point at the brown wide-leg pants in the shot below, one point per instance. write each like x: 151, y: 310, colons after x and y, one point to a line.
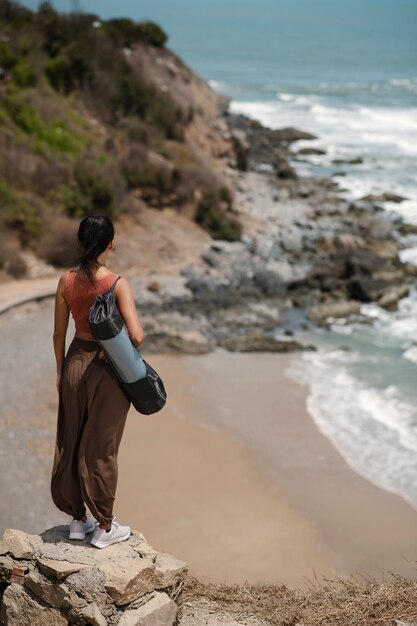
x: 91, y: 418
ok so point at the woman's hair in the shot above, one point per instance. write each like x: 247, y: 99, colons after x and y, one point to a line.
x: 95, y: 232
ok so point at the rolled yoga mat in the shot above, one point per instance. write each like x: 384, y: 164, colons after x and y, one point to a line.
x: 125, y: 358
x: 140, y: 382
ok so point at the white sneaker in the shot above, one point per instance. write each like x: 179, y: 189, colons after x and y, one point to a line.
x: 79, y: 529
x: 103, y: 539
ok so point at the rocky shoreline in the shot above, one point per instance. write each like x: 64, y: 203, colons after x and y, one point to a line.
x: 307, y: 255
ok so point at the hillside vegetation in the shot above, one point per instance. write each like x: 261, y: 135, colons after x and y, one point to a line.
x: 87, y: 126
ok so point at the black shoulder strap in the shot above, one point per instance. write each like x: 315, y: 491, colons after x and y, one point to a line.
x: 114, y: 284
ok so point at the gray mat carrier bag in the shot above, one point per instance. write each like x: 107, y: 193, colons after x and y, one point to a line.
x: 139, y: 381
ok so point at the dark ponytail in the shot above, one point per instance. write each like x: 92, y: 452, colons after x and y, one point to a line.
x: 95, y: 232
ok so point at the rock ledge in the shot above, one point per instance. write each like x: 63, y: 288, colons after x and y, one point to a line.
x: 50, y: 580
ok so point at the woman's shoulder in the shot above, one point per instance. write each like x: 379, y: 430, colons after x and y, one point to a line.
x: 63, y: 283
x: 122, y: 286
x: 64, y: 277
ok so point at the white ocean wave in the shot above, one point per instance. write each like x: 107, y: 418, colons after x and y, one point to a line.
x: 374, y: 430
x: 409, y: 255
x: 385, y: 138
x: 411, y: 354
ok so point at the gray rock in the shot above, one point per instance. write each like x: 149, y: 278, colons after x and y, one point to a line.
x: 290, y: 134
x: 20, y: 609
x: 354, y: 161
x: 384, y: 197
x: 283, y: 169
x: 53, y: 594
x: 258, y: 342
x: 308, y: 151
x: 168, y: 570
x: 407, y: 229
x: 84, y: 585
x: 128, y: 579
x: 159, y: 610
x: 343, y: 308
x: 58, y: 569
x: 6, y: 567
x: 270, y: 283
x: 17, y: 543
x: 174, y: 332
x: 390, y: 298
x: 241, y: 149
x: 89, y: 613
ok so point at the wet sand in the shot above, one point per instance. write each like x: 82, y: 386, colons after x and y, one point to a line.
x: 234, y: 477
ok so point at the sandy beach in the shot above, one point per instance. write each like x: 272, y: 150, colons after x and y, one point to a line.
x: 234, y: 477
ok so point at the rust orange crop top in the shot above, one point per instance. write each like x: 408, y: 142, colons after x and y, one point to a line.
x: 80, y: 295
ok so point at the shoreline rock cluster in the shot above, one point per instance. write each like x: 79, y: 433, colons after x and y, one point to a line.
x: 308, y: 255
x: 50, y: 580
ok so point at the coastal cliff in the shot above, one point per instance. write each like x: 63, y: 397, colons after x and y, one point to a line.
x: 225, y: 244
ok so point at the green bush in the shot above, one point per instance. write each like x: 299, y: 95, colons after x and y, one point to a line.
x: 146, y: 175
x: 58, y: 72
x: 53, y: 27
x: 91, y: 191
x: 60, y: 139
x: 226, y: 196
x: 121, y: 30
x: 18, y: 213
x: 70, y: 69
x: 210, y: 216
x: 125, y: 32
x: 131, y: 96
x: 23, y: 74
x: 54, y: 134
x: 7, y: 57
x: 136, y: 130
x: 151, y: 34
x: 22, y: 113
x: 12, y: 13
x: 165, y: 115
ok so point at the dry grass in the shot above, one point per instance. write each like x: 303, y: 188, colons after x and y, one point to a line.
x: 357, y: 601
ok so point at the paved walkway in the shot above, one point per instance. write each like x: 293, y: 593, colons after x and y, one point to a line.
x: 21, y: 291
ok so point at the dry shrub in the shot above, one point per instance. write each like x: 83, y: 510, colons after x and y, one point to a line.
x: 26, y: 170
x: 95, y: 187
x: 147, y: 169
x: 212, y: 214
x: 58, y: 245
x: 180, y: 153
x: 136, y: 130
x: 10, y: 259
x: 196, y: 178
x: 357, y: 601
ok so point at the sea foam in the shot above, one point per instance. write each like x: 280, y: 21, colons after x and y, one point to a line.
x: 374, y: 430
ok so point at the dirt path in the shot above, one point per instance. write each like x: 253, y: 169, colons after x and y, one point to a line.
x: 18, y: 292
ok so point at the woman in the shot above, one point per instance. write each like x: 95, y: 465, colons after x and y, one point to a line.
x: 92, y: 407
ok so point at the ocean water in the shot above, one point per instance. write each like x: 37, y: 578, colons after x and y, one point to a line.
x: 363, y: 393
x: 345, y: 70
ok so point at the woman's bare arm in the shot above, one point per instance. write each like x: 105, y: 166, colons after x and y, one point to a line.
x: 127, y: 307
x: 60, y: 327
